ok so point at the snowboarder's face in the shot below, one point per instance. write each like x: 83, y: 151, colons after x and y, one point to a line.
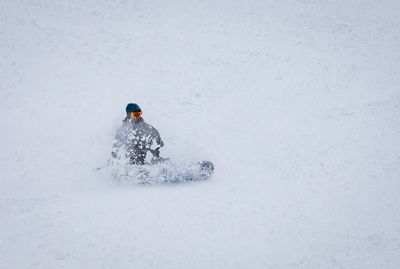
x: 136, y: 115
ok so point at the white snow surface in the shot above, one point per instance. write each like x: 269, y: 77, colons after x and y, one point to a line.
x: 296, y: 102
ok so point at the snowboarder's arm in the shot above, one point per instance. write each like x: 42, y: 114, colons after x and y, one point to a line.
x: 159, y: 141
x: 156, y: 143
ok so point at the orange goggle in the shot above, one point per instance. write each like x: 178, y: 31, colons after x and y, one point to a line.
x: 136, y: 114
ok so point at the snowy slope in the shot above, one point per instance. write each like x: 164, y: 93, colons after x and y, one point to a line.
x: 297, y: 103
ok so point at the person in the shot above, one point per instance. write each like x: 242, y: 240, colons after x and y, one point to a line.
x: 135, y: 138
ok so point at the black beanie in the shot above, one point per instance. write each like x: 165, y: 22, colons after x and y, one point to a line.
x: 131, y: 107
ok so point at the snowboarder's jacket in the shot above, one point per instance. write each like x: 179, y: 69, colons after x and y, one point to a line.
x: 134, y: 139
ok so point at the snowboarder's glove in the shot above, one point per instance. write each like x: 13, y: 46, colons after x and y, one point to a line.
x: 156, y: 152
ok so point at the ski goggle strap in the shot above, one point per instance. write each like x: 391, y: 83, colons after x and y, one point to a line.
x: 136, y: 114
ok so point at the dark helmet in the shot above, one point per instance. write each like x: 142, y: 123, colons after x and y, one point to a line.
x: 131, y: 107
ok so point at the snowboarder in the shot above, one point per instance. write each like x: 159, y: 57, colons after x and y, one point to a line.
x: 135, y: 138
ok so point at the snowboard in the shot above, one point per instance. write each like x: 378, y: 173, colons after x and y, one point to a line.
x: 162, y: 172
